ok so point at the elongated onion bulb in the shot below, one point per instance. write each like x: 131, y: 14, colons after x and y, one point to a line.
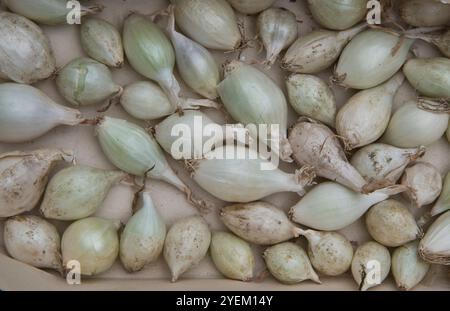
x: 387, y: 52
x: 443, y: 203
x: 142, y: 239
x: 365, y: 117
x: 235, y: 179
x: 425, y: 13
x: 277, y: 29
x: 338, y: 14
x: 435, y: 245
x: 311, y: 97
x: 407, y: 267
x: 77, y: 192
x: 23, y: 177
x: 441, y: 41
x: 25, y: 52
x: 250, y: 6
x: 93, y: 242
x: 186, y: 244
x: 34, y: 241
x: 316, y: 145
x: 411, y: 126
x: 318, y: 50
x: 368, y: 257
x: 212, y: 23
x: 26, y: 113
x: 330, y: 206
x: 380, y: 163
x: 259, y: 223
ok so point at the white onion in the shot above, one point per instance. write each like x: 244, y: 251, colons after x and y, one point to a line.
x: 443, y: 203
x: 26, y: 113
x: 425, y: 13
x: 338, y: 14
x: 442, y: 41
x: 435, y: 245
x: 251, y: 6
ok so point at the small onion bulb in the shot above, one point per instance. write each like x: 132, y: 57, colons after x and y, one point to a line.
x: 338, y: 14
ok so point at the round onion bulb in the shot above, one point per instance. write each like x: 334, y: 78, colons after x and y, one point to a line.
x: 392, y: 224
x: 338, y: 14
x: 34, y: 241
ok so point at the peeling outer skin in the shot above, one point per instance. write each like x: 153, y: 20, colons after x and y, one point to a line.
x: 324, y: 153
x: 23, y: 176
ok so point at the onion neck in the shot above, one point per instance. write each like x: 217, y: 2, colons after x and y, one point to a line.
x: 348, y: 34
x: 170, y: 85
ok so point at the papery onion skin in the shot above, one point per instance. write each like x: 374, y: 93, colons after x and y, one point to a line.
x: 77, y: 192
x: 244, y: 180
x: 186, y: 244
x: 251, y: 6
x: 330, y: 206
x: 212, y: 23
x: 145, y: 100
x: 391, y: 224
x: 370, y: 252
x: 316, y: 145
x: 425, y: 13
x: 102, y: 42
x: 85, y: 81
x: 310, y: 96
x: 34, y: 241
x: 317, y: 50
x: 407, y: 267
x: 384, y: 163
x: 424, y: 183
x: 411, y: 126
x: 232, y: 256
x: 277, y: 29
x: 338, y: 14
x: 25, y: 52
x: 365, y: 116
x: 23, y: 177
x: 93, y: 242
x: 142, y: 239
x: 260, y: 223
x: 330, y: 252
x: 435, y: 245
x: 388, y: 52
x: 443, y: 203
x: 289, y: 263
x: 430, y: 76
x: 26, y: 113
x: 49, y: 12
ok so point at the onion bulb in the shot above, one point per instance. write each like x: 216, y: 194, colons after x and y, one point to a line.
x: 277, y: 29
x: 235, y: 179
x: 425, y: 13
x: 435, y: 245
x: 289, y: 264
x: 186, y: 244
x: 260, y: 223
x: 311, y: 97
x: 232, y: 256
x: 251, y: 97
x: 390, y: 223
x: 316, y: 145
x: 142, y: 239
x: 102, y: 42
x: 381, y: 163
x: 365, y: 117
x: 250, y: 6
x: 442, y: 41
x: 371, y: 58
x: 371, y: 265
x: 431, y: 76
x: 318, y: 50
x: 443, y: 203
x: 411, y: 126
x: 77, y: 192
x: 25, y: 52
x: 407, y: 267
x: 85, y: 81
x: 49, y: 12
x: 26, y: 113
x: 34, y: 241
x: 330, y: 206
x: 338, y: 14
x: 93, y: 242
x: 23, y: 177
x: 424, y: 183
x: 212, y: 23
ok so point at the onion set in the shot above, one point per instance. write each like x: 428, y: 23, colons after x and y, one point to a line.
x: 435, y: 245
x: 443, y: 203
x: 338, y: 14
x: 407, y: 267
x: 250, y: 6
x: 425, y: 13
